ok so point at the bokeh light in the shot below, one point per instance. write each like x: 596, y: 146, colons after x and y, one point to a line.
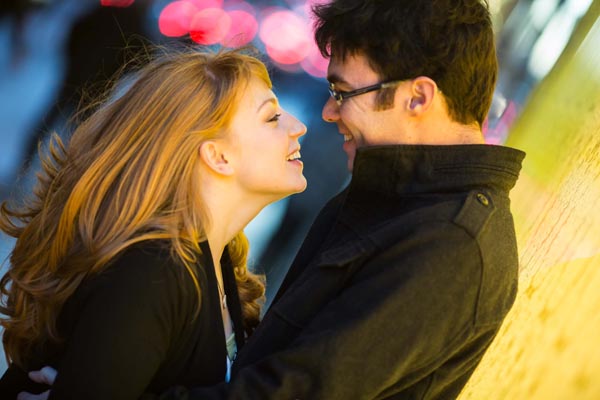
x: 315, y: 64
x: 116, y: 3
x: 240, y: 5
x: 210, y: 26
x: 201, y: 4
x: 176, y: 18
x: 286, y: 36
x: 243, y: 29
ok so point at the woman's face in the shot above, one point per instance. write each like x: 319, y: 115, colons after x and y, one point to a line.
x: 265, y: 143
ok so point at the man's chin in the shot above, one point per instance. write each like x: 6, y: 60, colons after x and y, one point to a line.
x: 350, y: 150
x: 350, y: 164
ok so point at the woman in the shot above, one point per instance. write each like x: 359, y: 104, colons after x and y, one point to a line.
x: 129, y: 271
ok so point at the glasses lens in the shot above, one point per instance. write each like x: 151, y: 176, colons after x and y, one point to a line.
x: 337, y: 96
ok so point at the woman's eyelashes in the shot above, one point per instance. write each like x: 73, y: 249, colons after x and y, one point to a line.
x: 275, y: 118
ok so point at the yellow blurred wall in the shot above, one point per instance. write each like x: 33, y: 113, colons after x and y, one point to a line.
x: 549, y: 345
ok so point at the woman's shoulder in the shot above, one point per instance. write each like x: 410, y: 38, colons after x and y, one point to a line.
x: 144, y: 269
x: 148, y: 258
x: 152, y: 256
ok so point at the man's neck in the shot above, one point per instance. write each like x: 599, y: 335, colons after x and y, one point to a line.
x: 449, y: 133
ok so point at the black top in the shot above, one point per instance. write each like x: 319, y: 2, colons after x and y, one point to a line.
x: 134, y: 329
x: 399, y: 288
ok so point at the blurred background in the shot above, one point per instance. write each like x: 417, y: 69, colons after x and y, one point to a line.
x: 53, y: 52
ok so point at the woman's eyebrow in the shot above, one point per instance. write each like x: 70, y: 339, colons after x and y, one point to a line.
x: 269, y: 100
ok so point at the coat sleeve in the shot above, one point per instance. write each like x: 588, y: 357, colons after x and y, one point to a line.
x: 122, y: 332
x: 403, y: 314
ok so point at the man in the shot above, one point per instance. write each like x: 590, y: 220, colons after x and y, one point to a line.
x: 406, y: 276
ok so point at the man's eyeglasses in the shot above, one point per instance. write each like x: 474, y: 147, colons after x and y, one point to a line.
x: 340, y: 95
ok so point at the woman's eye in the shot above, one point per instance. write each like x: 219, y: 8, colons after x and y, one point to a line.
x: 275, y: 118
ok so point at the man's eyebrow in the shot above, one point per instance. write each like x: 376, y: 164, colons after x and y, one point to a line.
x: 269, y: 100
x: 336, y: 79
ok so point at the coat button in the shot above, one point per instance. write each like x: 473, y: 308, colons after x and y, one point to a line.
x: 483, y: 199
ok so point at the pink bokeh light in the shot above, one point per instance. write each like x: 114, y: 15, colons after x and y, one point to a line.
x: 176, y: 18
x: 285, y: 57
x: 315, y: 64
x: 210, y: 26
x: 202, y: 4
x: 286, y: 36
x: 242, y: 30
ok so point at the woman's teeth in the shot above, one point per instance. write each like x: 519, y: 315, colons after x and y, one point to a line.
x: 347, y: 138
x: 294, y: 156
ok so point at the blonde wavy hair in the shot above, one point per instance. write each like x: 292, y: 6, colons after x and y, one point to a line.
x: 126, y: 176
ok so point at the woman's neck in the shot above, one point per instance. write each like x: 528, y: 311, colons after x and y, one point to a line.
x: 229, y: 214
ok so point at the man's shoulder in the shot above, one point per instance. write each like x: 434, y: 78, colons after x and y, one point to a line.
x: 470, y: 210
x: 458, y: 229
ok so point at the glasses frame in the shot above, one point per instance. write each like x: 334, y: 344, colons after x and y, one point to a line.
x: 339, y: 95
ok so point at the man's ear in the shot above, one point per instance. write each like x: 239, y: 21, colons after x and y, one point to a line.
x: 422, y: 90
x: 212, y: 154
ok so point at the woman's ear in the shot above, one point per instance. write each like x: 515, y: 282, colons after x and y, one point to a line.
x: 212, y: 154
x: 423, y: 90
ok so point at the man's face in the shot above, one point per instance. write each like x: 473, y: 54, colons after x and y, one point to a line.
x: 357, y: 118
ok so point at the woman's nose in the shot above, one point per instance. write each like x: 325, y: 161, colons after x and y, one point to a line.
x: 298, y: 128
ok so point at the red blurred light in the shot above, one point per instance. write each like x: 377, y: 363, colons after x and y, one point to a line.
x: 210, y: 26
x: 175, y: 19
x: 243, y: 29
x: 116, y: 3
x: 286, y: 37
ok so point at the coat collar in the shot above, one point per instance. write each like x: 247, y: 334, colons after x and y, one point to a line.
x: 414, y: 169
x: 384, y: 172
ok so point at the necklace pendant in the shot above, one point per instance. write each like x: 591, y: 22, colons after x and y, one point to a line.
x: 224, y: 302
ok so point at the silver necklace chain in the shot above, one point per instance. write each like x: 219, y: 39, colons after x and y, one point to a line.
x: 222, y: 295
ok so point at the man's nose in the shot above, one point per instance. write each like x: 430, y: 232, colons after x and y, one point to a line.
x: 331, y: 110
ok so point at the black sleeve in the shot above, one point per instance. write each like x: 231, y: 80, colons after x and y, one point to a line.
x: 122, y: 332
x: 403, y: 314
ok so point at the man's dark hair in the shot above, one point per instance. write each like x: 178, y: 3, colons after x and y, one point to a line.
x: 450, y: 41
